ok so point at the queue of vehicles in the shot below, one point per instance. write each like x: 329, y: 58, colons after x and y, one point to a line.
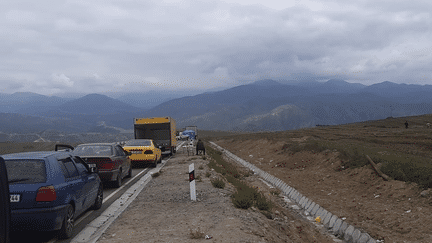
x: 50, y: 189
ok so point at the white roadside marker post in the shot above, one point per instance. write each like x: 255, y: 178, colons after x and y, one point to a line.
x: 192, y: 181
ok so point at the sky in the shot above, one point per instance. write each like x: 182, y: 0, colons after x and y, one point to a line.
x: 54, y: 47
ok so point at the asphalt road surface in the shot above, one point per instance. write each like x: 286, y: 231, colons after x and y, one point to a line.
x: 110, y: 195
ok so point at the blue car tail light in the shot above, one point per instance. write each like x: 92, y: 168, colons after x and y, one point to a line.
x: 46, y: 194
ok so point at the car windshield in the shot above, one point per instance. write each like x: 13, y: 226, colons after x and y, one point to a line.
x: 93, y: 150
x: 138, y: 143
x: 26, y: 171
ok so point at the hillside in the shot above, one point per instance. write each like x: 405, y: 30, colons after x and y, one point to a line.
x: 329, y: 166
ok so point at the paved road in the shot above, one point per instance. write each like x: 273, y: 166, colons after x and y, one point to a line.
x: 110, y: 195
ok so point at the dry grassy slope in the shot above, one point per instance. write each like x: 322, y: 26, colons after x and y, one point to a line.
x: 390, y: 210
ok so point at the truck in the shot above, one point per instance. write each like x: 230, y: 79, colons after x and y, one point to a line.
x: 162, y: 130
x: 193, y: 128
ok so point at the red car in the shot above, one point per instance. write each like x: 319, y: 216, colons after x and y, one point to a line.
x: 111, y: 160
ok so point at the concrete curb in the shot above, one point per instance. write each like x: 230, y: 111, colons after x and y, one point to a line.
x: 337, y: 226
x: 94, y: 230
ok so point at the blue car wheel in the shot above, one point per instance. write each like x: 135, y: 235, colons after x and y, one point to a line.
x: 68, y: 223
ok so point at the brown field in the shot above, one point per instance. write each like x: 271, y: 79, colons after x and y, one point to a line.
x: 328, y: 165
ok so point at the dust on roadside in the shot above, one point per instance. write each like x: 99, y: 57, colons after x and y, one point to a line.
x: 164, y: 212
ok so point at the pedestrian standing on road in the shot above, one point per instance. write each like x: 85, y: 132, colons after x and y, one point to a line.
x: 406, y: 124
x: 200, y: 146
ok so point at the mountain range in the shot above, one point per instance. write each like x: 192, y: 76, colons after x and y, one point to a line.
x: 265, y: 105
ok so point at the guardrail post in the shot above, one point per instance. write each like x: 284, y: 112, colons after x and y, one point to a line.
x: 192, y: 182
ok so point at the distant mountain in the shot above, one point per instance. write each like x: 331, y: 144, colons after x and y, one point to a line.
x: 389, y: 89
x: 96, y: 104
x: 19, y: 123
x: 28, y: 103
x: 267, y: 82
x: 146, y: 100
x: 269, y: 105
x: 264, y: 105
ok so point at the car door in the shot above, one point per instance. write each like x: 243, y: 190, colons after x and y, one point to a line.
x: 90, y: 183
x: 4, y: 203
x: 74, y: 183
x: 125, y: 161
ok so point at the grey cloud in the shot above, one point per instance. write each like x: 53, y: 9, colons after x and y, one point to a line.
x: 217, y: 43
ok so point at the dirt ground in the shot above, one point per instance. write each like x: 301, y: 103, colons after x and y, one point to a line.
x: 164, y: 212
x: 392, y: 211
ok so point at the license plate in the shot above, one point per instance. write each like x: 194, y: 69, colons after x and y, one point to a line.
x: 14, y: 198
x: 136, y: 152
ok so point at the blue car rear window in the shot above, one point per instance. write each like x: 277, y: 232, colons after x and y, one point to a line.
x: 26, y: 171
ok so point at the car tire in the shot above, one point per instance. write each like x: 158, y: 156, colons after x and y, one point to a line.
x: 4, y: 204
x: 129, y: 175
x: 99, y: 199
x: 118, y: 181
x: 68, y: 223
x: 154, y: 164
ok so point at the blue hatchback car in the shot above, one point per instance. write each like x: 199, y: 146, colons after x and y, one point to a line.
x: 48, y: 190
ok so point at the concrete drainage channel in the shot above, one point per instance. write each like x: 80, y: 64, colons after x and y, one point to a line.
x: 93, y: 231
x: 333, y: 223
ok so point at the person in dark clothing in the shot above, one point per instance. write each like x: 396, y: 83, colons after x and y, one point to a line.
x: 200, y: 146
x: 406, y: 124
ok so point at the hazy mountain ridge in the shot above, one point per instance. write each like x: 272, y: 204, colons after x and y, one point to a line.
x: 266, y: 105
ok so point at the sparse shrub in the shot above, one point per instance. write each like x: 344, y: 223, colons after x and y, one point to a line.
x: 196, y: 234
x: 237, y: 176
x: 208, y: 174
x: 409, y: 170
x: 267, y: 214
x: 204, y: 157
x: 242, y: 200
x: 275, y: 192
x: 154, y: 175
x: 218, y: 183
x: 261, y: 202
x: 200, y: 167
x: 198, y: 178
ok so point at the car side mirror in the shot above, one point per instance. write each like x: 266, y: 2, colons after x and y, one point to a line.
x: 128, y: 153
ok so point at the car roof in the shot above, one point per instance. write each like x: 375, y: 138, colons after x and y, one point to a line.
x: 96, y: 144
x: 33, y: 155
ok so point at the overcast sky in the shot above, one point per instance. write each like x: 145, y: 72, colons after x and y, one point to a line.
x: 50, y: 47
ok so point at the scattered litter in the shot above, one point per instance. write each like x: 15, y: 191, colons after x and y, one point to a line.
x: 306, y: 213
x: 271, y: 160
x: 409, y: 211
x: 250, y: 155
x: 376, y: 196
x: 328, y: 194
x: 318, y: 219
x: 208, y: 237
x: 343, y: 218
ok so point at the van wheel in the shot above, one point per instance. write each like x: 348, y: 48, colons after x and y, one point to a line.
x: 68, y: 223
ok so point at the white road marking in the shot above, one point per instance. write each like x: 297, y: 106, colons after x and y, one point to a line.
x: 112, y: 194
